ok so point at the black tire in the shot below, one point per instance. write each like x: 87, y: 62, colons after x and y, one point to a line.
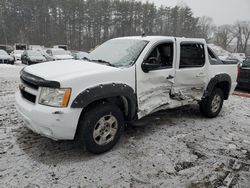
x: 89, y: 123
x: 206, y: 106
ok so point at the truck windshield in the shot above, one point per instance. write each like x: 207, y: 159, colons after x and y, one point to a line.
x: 118, y: 52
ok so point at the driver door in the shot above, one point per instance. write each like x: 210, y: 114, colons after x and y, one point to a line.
x: 155, y: 78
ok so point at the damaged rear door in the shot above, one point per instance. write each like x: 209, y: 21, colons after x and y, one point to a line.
x: 155, y: 77
x: 191, y: 76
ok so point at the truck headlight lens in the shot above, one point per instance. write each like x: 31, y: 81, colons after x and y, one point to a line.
x: 54, y: 97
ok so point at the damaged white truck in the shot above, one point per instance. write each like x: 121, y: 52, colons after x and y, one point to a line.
x: 122, y: 80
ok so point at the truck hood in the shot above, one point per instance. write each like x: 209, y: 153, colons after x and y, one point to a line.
x: 58, y: 70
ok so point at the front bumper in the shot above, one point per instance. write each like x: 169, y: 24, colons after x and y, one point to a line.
x: 43, y: 119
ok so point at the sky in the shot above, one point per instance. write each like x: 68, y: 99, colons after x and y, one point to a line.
x: 222, y: 11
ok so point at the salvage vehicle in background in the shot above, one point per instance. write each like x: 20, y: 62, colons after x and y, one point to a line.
x: 19, y: 46
x: 7, y: 48
x: 47, y: 56
x: 6, y: 58
x: 17, y: 54
x: 125, y: 79
x: 59, y: 54
x: 30, y: 57
x: 244, y: 75
x: 65, y: 47
x: 36, y: 47
x: 79, y: 55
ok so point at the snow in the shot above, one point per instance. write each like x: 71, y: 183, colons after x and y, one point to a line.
x: 174, y: 148
x: 221, y: 53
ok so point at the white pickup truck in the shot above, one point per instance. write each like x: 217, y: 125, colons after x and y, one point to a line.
x: 123, y: 80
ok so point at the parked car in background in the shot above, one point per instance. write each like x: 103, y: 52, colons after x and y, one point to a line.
x: 6, y: 58
x: 65, y: 47
x: 240, y: 56
x: 19, y: 46
x: 16, y: 54
x: 6, y: 48
x: 79, y: 55
x: 244, y: 75
x: 59, y: 54
x: 30, y: 57
x: 36, y: 47
x: 47, y: 56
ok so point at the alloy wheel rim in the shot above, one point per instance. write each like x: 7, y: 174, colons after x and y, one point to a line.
x: 105, y: 130
x: 216, y: 103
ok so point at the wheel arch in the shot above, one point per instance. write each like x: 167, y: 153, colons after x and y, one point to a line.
x: 222, y: 81
x: 120, y: 94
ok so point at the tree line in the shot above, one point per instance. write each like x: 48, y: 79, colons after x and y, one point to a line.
x: 83, y: 24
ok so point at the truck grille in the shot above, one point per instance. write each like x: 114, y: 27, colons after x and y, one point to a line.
x: 28, y: 96
x: 29, y: 84
x: 28, y: 87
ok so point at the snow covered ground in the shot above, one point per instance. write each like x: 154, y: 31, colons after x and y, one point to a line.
x: 174, y: 148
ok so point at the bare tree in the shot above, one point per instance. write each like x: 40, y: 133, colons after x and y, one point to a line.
x: 242, y: 34
x: 224, y: 36
x: 207, y: 27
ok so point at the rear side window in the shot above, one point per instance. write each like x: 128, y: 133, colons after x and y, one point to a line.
x: 192, y: 55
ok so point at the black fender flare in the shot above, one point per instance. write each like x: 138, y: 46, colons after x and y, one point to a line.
x: 215, y: 81
x: 105, y: 91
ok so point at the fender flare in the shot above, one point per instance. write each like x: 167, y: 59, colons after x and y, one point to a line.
x: 216, y: 80
x: 104, y: 91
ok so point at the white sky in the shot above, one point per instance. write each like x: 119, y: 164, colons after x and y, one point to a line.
x: 222, y: 11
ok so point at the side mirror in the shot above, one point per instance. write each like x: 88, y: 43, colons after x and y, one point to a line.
x: 150, y: 64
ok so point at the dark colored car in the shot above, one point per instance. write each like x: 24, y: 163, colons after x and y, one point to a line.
x: 30, y: 57
x: 244, y: 75
x: 6, y: 58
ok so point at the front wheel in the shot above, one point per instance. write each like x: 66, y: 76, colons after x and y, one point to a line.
x: 101, y: 127
x: 211, y: 106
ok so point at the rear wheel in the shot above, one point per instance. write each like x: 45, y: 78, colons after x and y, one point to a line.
x: 101, y: 127
x: 211, y: 106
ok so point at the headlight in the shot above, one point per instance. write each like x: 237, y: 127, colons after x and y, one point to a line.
x: 54, y: 97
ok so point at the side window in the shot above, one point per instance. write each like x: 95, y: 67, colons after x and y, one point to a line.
x: 192, y: 55
x: 212, y: 58
x: 163, y: 55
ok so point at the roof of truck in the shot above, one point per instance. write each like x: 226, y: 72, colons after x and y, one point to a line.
x: 156, y: 38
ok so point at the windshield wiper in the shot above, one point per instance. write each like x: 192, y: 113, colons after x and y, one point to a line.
x: 103, y: 62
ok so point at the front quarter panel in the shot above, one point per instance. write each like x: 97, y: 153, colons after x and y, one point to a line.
x: 117, y: 76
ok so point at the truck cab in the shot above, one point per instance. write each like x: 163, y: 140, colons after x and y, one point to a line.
x: 123, y: 80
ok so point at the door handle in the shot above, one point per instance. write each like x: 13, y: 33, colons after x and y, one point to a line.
x: 170, y: 77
